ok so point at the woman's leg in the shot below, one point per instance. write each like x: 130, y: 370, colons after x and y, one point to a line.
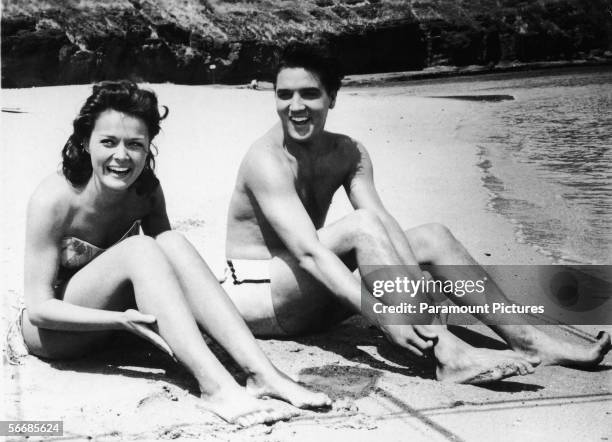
x: 217, y: 315
x: 137, y: 269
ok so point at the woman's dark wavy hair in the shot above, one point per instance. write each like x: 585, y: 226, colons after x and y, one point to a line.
x: 123, y: 96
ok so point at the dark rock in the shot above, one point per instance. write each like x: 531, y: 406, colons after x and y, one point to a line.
x: 367, y: 11
x: 320, y: 14
x: 66, y: 52
x: 17, y: 24
x: 398, y: 48
x: 290, y: 15
x: 32, y: 57
x: 138, y: 33
x: 79, y: 67
x: 155, y: 62
x: 56, y: 42
x: 172, y: 33
x: 341, y: 11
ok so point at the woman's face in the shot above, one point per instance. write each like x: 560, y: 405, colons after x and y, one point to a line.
x: 118, y: 146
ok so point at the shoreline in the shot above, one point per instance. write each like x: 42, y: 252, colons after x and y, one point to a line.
x: 450, y: 72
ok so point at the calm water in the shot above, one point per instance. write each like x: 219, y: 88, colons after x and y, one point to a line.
x: 546, y: 156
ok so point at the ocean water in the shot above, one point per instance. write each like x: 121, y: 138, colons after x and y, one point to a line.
x: 545, y: 156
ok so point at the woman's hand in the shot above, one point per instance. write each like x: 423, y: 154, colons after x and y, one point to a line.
x: 139, y: 324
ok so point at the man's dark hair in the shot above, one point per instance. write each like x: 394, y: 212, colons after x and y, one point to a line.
x: 314, y: 58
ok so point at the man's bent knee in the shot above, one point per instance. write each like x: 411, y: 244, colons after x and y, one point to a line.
x: 438, y: 232
x: 430, y: 240
x: 368, y: 224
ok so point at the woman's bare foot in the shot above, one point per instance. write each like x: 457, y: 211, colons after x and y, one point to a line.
x: 461, y: 363
x: 236, y: 406
x: 530, y: 341
x: 279, y: 386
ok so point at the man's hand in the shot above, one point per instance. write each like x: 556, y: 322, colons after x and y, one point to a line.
x: 416, y: 338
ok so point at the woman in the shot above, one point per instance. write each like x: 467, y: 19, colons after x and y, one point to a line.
x: 87, y: 269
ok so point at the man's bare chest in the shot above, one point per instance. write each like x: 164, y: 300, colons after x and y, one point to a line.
x: 316, y: 188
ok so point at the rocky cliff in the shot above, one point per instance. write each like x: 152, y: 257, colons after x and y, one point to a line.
x: 46, y: 42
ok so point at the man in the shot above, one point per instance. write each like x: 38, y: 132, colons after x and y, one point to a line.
x: 291, y: 274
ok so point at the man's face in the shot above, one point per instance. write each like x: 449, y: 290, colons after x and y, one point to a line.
x: 302, y: 104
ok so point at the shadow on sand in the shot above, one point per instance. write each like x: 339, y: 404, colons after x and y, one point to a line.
x: 127, y: 355
x: 348, y: 339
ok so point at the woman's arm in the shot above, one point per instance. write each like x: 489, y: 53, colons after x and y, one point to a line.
x: 48, y: 212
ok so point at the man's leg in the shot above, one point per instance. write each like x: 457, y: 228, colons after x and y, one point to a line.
x: 301, y: 304
x: 435, y: 244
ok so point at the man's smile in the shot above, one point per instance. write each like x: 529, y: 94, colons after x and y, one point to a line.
x: 301, y: 119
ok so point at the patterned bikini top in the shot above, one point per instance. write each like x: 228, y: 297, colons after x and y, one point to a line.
x: 75, y: 252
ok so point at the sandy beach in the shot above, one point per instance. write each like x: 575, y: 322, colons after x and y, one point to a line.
x: 423, y: 174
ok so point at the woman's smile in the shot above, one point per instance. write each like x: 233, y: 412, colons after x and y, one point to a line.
x: 118, y: 146
x: 119, y: 172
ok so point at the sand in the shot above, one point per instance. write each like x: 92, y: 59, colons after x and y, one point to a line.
x: 423, y: 173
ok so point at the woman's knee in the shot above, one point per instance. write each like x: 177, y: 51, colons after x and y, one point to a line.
x: 170, y: 237
x: 172, y: 242
x: 140, y: 243
x: 142, y: 253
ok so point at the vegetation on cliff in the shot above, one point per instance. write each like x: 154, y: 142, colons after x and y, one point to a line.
x: 78, y: 41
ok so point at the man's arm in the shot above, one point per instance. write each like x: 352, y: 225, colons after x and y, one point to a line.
x: 272, y: 184
x: 362, y: 194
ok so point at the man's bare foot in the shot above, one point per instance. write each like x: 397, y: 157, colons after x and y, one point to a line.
x: 530, y: 341
x: 461, y: 363
x: 279, y: 386
x: 480, y: 366
x: 236, y: 406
